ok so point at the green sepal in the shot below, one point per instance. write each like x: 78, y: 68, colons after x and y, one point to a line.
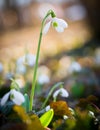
x: 26, y: 103
x: 46, y: 118
x: 14, y: 85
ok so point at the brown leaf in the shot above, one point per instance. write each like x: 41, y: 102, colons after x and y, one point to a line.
x: 84, y: 102
x: 60, y: 108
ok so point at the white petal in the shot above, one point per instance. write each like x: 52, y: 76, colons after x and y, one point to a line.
x: 64, y: 92
x: 46, y: 27
x: 56, y: 93
x: 59, y: 29
x: 4, y: 98
x: 47, y: 108
x: 43, y: 78
x: 65, y: 117
x: 91, y: 114
x: 62, y: 23
x: 18, y: 98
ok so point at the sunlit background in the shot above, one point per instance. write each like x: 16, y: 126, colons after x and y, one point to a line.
x: 72, y: 56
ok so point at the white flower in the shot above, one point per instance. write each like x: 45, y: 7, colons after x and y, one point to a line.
x: 65, y: 117
x: 75, y: 67
x: 14, y: 95
x: 63, y: 92
x: 43, y: 79
x: 91, y: 114
x: 21, y: 69
x: 47, y: 108
x: 4, y: 99
x: 28, y: 59
x: 72, y: 111
x: 58, y: 24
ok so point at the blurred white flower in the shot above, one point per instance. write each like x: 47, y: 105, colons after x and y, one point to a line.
x: 75, y: 12
x: 9, y: 75
x: 14, y: 95
x: 58, y: 24
x: 21, y: 3
x: 72, y: 111
x: 91, y: 114
x: 47, y: 108
x: 97, y: 56
x: 63, y: 92
x: 28, y: 59
x: 1, y: 67
x: 21, y: 69
x: 43, y: 78
x: 65, y: 117
x: 43, y: 74
x: 74, y: 67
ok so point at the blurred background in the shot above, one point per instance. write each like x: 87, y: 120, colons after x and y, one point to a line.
x: 72, y: 56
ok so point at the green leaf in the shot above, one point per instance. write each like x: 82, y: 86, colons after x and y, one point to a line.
x: 77, y: 90
x: 26, y: 103
x: 46, y: 118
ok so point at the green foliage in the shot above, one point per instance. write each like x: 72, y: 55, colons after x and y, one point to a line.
x: 46, y: 118
x: 77, y: 90
x: 26, y: 103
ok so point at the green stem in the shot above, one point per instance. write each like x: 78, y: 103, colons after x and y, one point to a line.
x: 51, y: 91
x: 50, y: 12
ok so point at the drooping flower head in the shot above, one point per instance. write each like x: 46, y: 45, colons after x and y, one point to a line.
x: 14, y: 95
x: 63, y: 92
x: 57, y: 23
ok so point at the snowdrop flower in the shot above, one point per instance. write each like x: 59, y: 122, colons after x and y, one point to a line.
x: 58, y: 24
x: 63, y: 92
x: 75, y: 67
x: 43, y: 79
x: 21, y: 69
x: 28, y: 59
x: 14, y: 95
